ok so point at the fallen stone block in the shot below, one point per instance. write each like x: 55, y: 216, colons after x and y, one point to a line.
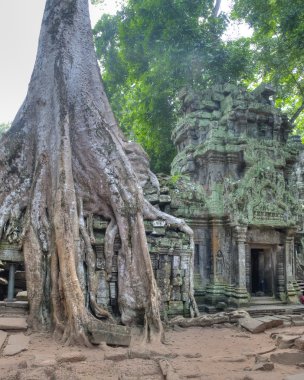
x: 263, y: 367
x: 285, y: 341
x: 253, y: 325
x: 115, y: 335
x: 13, y: 324
x: 71, y: 357
x: 295, y: 317
x: 258, y: 325
x: 261, y: 359
x: 299, y: 343
x: 271, y: 322
x: 298, y: 323
x: 287, y: 324
x: 287, y: 358
x: 16, y: 344
x: 21, y: 296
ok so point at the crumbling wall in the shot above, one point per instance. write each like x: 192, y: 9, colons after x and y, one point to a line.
x: 171, y: 256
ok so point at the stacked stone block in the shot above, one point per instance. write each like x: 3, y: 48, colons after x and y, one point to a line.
x: 171, y: 255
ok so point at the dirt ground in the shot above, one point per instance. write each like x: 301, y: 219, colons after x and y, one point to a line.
x: 224, y: 352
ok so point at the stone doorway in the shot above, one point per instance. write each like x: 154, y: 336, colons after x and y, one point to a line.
x: 262, y: 272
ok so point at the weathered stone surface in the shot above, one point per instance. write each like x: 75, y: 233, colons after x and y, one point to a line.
x: 71, y: 357
x: 3, y: 336
x: 285, y: 341
x: 253, y: 325
x: 21, y: 296
x: 287, y: 358
x: 271, y: 321
x: 299, y: 343
x: 298, y: 323
x: 295, y: 317
x: 258, y: 325
x: 111, y: 334
x: 13, y: 323
x: 16, y: 344
x: 298, y: 376
x: 263, y: 366
x: 22, y: 365
x: 10, y: 252
x: 261, y: 359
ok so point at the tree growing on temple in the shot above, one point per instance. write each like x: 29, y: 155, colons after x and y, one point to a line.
x: 64, y: 160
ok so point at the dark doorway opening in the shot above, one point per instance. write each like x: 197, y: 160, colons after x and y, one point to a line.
x: 261, y: 273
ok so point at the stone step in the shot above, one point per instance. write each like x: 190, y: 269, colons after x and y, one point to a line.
x: 283, y: 309
x: 14, y: 308
x: 265, y: 301
x: 16, y: 344
x: 13, y: 324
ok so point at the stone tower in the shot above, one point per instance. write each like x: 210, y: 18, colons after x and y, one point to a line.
x: 237, y: 146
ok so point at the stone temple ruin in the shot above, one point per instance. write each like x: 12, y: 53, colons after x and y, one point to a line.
x: 237, y: 146
x: 238, y: 181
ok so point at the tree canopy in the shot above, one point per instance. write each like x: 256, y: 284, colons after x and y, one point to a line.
x: 153, y: 48
x: 278, y: 43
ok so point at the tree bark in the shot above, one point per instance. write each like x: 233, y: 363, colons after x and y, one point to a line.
x: 216, y: 8
x: 297, y: 113
x: 63, y: 161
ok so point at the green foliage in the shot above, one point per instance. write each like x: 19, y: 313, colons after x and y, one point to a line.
x: 278, y: 43
x: 153, y: 48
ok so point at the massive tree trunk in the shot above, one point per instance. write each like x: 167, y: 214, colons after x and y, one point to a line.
x: 63, y: 160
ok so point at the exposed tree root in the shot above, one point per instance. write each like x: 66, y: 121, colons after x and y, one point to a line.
x: 209, y: 319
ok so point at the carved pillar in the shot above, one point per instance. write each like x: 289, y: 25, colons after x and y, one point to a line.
x: 289, y: 268
x: 11, y: 283
x: 241, y: 255
x: 248, y: 267
x: 215, y: 247
x: 216, y: 290
x: 281, y: 273
x: 291, y: 287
